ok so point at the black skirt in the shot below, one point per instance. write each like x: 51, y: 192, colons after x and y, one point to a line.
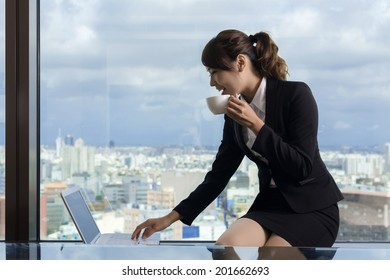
x: 313, y: 229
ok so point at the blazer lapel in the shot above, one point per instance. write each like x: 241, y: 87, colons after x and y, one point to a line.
x: 271, y: 95
x: 240, y: 140
x: 264, y: 172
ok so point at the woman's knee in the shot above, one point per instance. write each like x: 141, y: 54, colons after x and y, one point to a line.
x: 277, y: 241
x: 227, y: 239
x: 244, y: 232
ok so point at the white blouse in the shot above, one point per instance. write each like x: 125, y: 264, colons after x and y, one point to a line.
x: 258, y: 105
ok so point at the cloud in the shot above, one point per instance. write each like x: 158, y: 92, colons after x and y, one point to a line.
x: 340, y: 125
x: 374, y: 127
x: 148, y: 77
x: 139, y: 62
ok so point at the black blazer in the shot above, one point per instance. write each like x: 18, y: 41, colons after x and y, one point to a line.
x: 288, y: 140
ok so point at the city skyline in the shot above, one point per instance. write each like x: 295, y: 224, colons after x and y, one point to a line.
x: 70, y: 138
x: 136, y: 174
x: 127, y: 175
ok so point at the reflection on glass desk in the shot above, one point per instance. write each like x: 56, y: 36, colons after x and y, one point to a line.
x: 182, y: 251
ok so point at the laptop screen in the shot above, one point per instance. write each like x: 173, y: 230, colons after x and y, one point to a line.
x: 81, y: 215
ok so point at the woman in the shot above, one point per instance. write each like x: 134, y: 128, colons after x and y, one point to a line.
x: 274, y: 123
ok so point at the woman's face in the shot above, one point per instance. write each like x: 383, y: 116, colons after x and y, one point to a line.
x: 225, y: 81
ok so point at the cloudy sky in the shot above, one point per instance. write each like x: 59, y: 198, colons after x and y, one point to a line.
x: 130, y: 71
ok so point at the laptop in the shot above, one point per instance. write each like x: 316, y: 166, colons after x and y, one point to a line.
x: 87, y: 227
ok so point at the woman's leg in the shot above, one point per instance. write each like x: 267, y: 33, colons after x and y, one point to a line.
x: 277, y: 248
x: 276, y: 241
x: 244, y: 232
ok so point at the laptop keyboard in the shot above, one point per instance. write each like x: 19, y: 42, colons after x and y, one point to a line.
x: 123, y: 239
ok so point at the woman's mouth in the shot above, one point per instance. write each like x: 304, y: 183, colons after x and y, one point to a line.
x: 222, y: 91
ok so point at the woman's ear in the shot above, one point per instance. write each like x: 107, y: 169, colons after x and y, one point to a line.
x: 241, y: 61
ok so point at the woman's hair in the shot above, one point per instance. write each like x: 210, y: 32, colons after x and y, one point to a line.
x: 221, y: 50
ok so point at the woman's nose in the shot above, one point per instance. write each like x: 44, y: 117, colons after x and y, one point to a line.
x: 212, y: 82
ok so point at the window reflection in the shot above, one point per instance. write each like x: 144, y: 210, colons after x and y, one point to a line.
x: 123, y: 112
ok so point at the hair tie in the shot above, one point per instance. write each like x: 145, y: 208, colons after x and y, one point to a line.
x: 252, y: 39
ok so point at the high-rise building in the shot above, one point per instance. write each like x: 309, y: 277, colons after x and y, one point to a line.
x: 136, y: 189
x: 164, y: 198
x: 69, y: 140
x: 386, y: 157
x: 115, y: 194
x: 77, y: 159
x: 370, y: 165
x: 183, y: 182
x: 54, y: 213
x: 59, y: 144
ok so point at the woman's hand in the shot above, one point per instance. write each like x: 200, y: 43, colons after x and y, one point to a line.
x: 242, y: 113
x: 153, y: 225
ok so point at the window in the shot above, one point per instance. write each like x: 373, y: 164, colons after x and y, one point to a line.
x: 2, y: 121
x: 123, y: 113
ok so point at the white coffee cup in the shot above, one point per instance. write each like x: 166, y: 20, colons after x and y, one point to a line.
x: 217, y: 104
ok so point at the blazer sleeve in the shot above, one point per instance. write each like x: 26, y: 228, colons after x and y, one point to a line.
x: 290, y: 145
x: 228, y: 158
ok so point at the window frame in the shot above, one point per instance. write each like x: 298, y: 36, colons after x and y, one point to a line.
x: 22, y: 68
x: 22, y: 120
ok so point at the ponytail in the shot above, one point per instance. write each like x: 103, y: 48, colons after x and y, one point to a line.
x: 260, y: 48
x: 267, y: 61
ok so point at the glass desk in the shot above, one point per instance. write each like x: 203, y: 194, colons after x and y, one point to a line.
x: 183, y: 251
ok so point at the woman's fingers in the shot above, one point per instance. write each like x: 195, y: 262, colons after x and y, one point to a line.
x: 150, y: 226
x: 139, y: 228
x: 147, y: 228
x: 236, y: 109
x: 234, y: 104
x: 242, y: 113
x: 148, y: 232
